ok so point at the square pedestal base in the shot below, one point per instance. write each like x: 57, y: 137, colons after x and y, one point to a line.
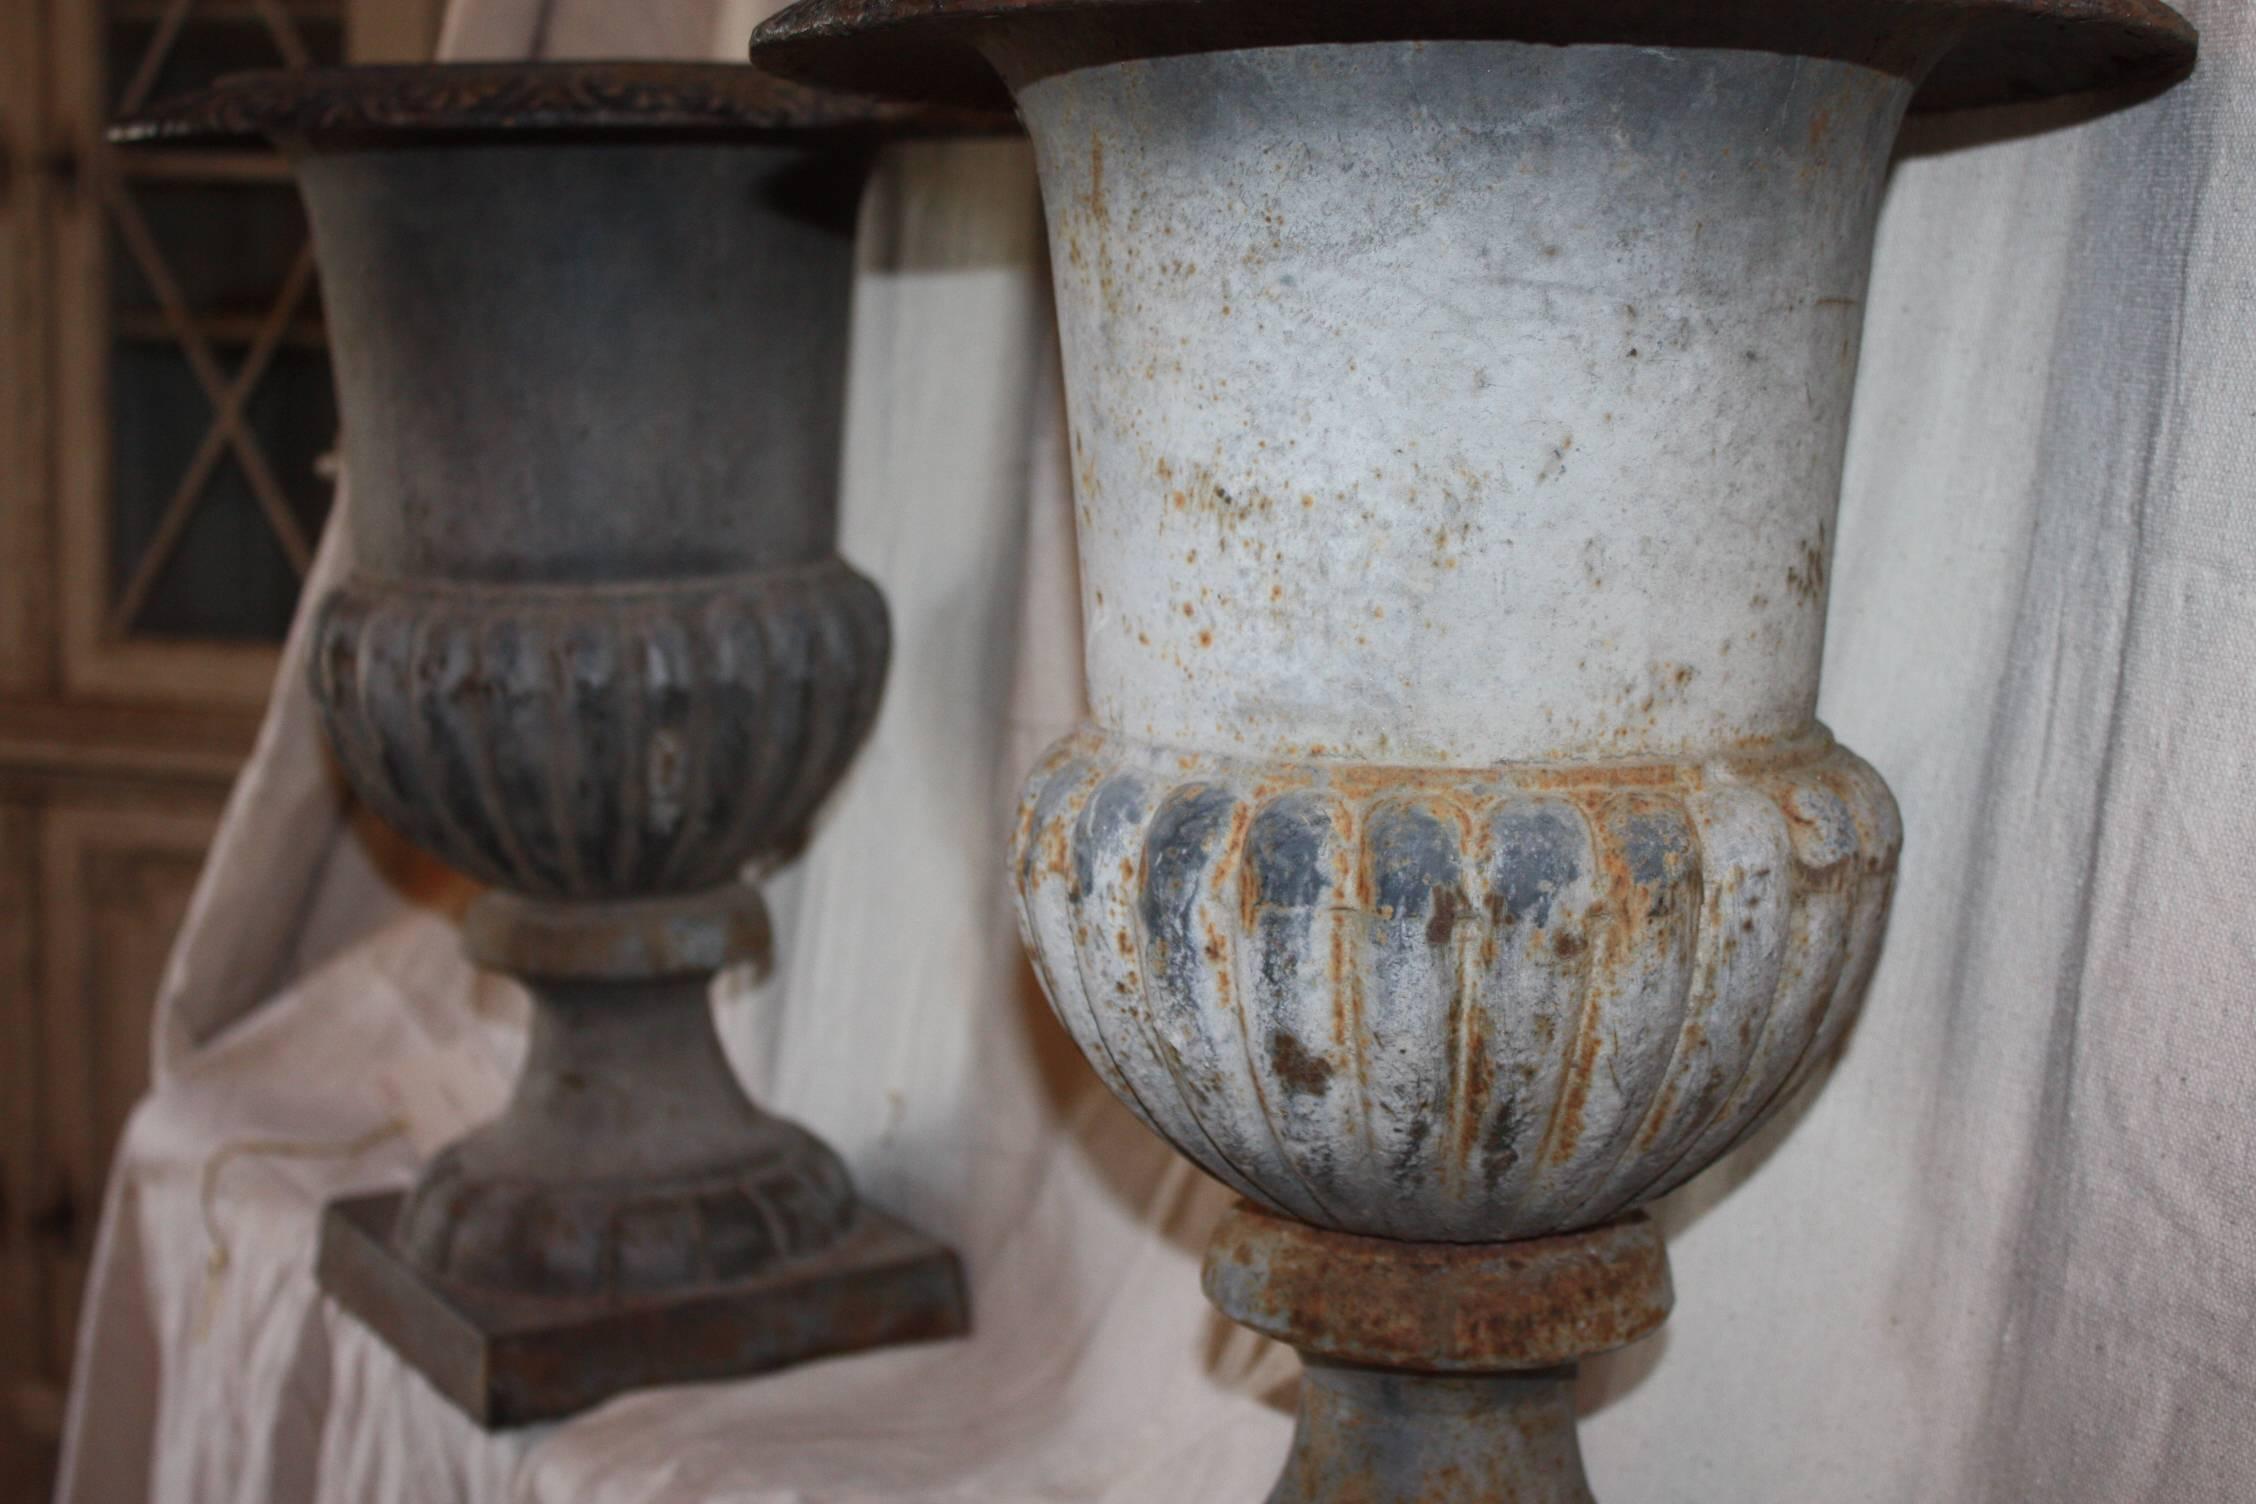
x: 510, y: 1360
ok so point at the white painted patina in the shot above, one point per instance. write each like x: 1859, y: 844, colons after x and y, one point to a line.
x: 1459, y: 402
x: 1457, y: 433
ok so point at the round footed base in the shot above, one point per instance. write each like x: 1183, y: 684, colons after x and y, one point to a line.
x: 1437, y: 1373
x: 628, y: 1163
x: 475, y: 1218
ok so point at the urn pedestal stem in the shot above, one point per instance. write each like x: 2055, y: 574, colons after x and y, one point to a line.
x: 1437, y: 1373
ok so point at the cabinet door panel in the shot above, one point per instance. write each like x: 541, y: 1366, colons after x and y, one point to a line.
x: 190, y: 351
x: 114, y: 886
x: 25, y: 660
x: 26, y: 1380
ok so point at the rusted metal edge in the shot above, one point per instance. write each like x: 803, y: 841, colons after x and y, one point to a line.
x: 622, y: 940
x: 1808, y: 748
x: 433, y: 103
x: 1439, y: 1307
x: 2005, y: 51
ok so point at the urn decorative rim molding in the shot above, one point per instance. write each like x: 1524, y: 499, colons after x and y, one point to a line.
x: 399, y: 104
x: 1998, y: 52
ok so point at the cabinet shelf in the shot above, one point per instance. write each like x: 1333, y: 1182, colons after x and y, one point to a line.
x: 224, y: 12
x: 243, y: 166
x: 146, y: 326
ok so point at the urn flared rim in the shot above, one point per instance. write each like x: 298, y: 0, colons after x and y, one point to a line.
x: 407, y: 104
x: 1992, y: 51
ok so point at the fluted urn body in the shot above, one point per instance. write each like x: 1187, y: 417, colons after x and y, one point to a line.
x: 1454, y: 1006
x: 597, y: 650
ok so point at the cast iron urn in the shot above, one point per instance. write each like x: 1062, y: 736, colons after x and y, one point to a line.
x: 598, y: 651
x: 1453, y: 863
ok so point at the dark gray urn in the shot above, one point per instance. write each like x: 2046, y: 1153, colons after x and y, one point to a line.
x: 597, y: 650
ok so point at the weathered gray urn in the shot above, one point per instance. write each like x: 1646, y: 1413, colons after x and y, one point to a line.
x: 1453, y: 862
x: 598, y: 651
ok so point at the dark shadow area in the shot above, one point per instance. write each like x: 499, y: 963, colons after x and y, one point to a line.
x: 908, y: 189
x: 1962, y: 130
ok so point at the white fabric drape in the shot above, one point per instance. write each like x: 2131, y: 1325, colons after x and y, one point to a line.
x: 2005, y: 1255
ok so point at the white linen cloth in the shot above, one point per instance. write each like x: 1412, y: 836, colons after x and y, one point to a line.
x: 2005, y: 1255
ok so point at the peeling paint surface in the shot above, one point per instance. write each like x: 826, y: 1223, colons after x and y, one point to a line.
x: 1437, y: 1374
x: 1459, y: 402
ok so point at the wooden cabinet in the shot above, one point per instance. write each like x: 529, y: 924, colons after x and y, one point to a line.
x: 27, y: 1388
x: 100, y: 845
x: 95, y: 876
x: 165, y: 413
x: 192, y: 400
x: 25, y: 291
